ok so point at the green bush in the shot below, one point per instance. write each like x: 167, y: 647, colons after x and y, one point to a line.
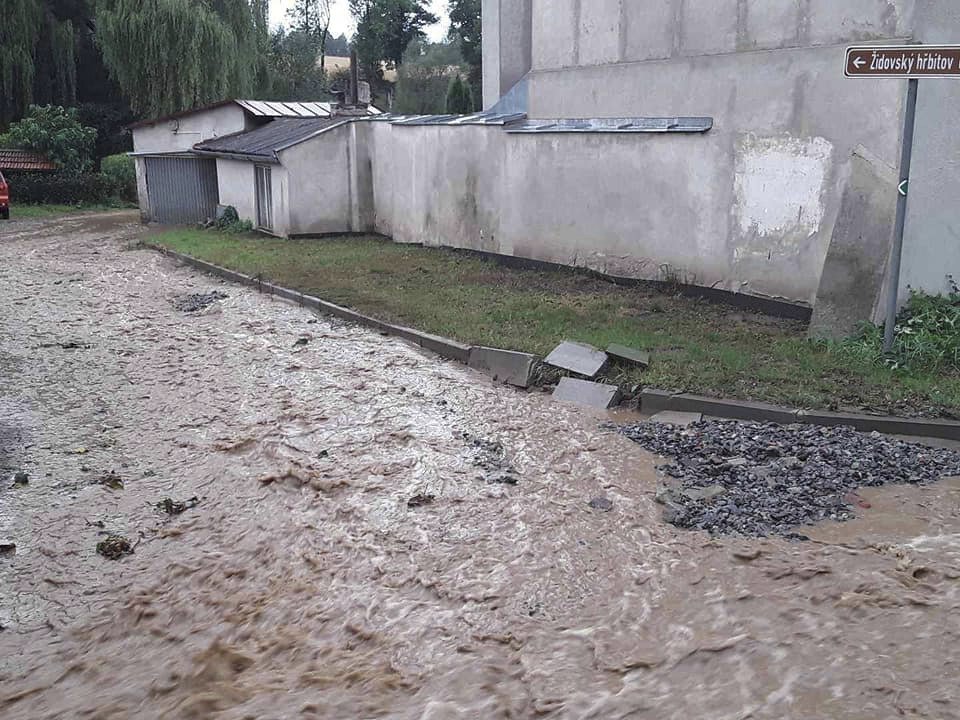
x: 55, y: 133
x: 459, y: 97
x: 230, y: 222
x: 926, y: 337
x: 58, y: 188
x: 120, y: 174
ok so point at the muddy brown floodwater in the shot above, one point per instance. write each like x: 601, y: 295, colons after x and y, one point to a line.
x: 304, y: 585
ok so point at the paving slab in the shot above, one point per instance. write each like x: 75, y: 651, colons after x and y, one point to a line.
x: 513, y: 368
x: 577, y: 358
x: 584, y: 392
x: 629, y: 355
x: 672, y: 417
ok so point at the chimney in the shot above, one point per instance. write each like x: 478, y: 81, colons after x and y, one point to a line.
x: 354, y: 79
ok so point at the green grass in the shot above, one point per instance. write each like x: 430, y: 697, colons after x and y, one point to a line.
x: 697, y: 346
x: 34, y: 212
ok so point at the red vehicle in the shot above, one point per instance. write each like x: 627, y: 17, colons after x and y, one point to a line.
x: 4, y: 198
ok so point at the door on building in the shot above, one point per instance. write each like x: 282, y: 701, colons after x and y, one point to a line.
x: 264, y: 192
x: 181, y: 190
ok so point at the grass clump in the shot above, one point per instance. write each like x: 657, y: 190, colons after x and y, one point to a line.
x: 926, y: 336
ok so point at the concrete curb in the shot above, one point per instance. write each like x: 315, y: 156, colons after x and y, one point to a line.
x: 654, y: 401
x: 651, y: 401
x: 443, y: 347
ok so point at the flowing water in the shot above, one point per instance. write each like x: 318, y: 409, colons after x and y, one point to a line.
x: 303, y: 585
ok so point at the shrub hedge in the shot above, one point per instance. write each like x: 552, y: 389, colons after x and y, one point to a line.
x: 121, y: 176
x: 58, y: 188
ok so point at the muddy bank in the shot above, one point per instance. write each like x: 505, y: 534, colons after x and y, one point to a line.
x: 382, y: 534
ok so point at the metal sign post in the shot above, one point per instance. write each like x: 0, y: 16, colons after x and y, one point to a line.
x: 902, y: 62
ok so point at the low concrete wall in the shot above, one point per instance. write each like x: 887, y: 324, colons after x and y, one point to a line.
x: 649, y: 206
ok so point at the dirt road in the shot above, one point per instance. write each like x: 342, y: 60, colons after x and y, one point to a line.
x: 305, y: 583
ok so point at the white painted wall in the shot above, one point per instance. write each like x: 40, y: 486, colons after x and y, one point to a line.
x: 632, y: 205
x: 236, y: 185
x: 182, y: 134
x: 319, y: 173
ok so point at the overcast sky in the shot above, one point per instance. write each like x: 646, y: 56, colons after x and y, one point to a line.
x: 343, y: 23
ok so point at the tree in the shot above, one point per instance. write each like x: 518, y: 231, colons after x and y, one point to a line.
x: 459, y: 97
x: 293, y: 67
x: 19, y: 31
x: 312, y: 17
x: 384, y: 30
x: 55, y: 133
x: 338, y: 46
x: 260, y: 11
x: 424, y: 78
x: 171, y: 55
x: 466, y: 27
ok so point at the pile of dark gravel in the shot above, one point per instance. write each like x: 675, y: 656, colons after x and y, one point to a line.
x: 198, y: 301
x: 765, y: 479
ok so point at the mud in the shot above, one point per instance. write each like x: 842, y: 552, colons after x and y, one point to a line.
x: 305, y: 585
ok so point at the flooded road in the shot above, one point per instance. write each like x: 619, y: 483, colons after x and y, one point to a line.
x: 305, y: 583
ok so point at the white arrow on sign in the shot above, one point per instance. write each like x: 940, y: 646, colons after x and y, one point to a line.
x: 859, y: 62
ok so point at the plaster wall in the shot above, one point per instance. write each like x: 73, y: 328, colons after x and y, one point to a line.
x: 183, y: 133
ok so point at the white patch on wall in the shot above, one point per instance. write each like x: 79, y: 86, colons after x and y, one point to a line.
x: 779, y: 185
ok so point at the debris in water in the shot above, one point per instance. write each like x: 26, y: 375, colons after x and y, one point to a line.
x: 172, y: 507
x: 67, y: 345
x: 7, y: 548
x: 149, y: 473
x: 602, y: 504
x: 20, y: 479
x: 420, y: 500
x: 198, y: 301
x: 111, y: 480
x: 96, y: 524
x: 302, y: 342
x: 114, y: 547
x: 491, y: 457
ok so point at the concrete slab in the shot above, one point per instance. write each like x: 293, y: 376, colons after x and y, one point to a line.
x: 851, y: 284
x: 681, y: 419
x: 513, y: 368
x: 584, y: 392
x: 577, y: 358
x: 629, y: 355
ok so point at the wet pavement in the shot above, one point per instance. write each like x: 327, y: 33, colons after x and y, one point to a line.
x: 348, y: 546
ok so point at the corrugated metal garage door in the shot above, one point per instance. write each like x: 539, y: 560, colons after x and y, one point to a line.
x: 182, y: 190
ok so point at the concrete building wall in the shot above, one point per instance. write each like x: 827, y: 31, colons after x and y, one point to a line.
x: 507, y: 38
x: 182, y: 134
x: 236, y: 185
x: 320, y: 183
x: 786, y: 120
x: 578, y: 33
x: 931, y: 249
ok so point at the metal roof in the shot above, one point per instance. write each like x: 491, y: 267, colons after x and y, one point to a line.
x: 12, y: 159
x: 261, y: 108
x: 265, y: 142
x: 616, y: 125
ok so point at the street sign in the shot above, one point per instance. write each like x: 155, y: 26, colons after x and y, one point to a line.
x: 903, y: 61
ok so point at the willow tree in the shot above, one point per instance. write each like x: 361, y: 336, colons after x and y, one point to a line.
x: 19, y: 30
x: 171, y: 55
